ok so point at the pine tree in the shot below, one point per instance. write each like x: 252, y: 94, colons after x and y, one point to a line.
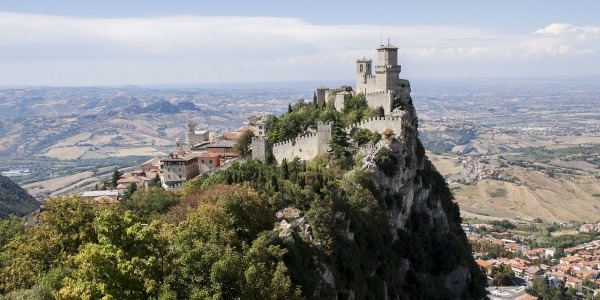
x: 339, y: 140
x: 285, y: 169
x: 115, y: 178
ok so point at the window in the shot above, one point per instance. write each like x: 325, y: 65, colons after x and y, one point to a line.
x: 210, y: 161
x: 169, y: 176
x: 179, y: 176
x: 203, y: 161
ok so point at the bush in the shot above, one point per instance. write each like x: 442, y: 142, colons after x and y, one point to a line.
x: 386, y: 161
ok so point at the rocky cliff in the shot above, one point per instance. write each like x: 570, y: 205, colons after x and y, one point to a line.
x: 411, y: 246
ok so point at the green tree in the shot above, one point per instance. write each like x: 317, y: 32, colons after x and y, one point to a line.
x: 9, y: 228
x: 386, y: 161
x: 131, y: 189
x: 502, y: 275
x: 148, y: 204
x: 339, y: 140
x: 242, y: 145
x: 115, y: 178
x: 127, y: 262
x: 155, y: 181
x: 65, y: 227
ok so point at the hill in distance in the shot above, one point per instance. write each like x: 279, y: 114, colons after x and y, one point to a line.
x: 14, y: 200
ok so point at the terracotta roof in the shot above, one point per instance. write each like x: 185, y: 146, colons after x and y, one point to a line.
x: 128, y: 180
x: 572, y: 259
x: 527, y: 297
x: 573, y: 279
x: 221, y: 144
x: 210, y: 154
x: 232, y: 135
x: 482, y: 263
x: 121, y: 187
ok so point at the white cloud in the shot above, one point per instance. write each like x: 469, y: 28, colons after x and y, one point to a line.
x: 168, y: 49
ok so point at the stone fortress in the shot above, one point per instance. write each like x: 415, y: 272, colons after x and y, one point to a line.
x: 197, y: 137
x: 380, y: 90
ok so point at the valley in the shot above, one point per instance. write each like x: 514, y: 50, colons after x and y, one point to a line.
x: 515, y: 149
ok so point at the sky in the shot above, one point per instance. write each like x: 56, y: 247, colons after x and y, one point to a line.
x: 116, y: 42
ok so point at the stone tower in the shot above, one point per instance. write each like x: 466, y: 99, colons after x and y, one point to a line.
x: 322, y: 95
x: 324, y: 136
x: 190, y: 134
x: 260, y: 147
x: 387, y: 68
x: 363, y: 74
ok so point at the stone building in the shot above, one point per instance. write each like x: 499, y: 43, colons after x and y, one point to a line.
x: 380, y: 89
x: 197, y: 137
x: 177, y: 168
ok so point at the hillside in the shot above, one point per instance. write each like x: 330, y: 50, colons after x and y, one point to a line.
x: 14, y: 200
x: 546, y: 193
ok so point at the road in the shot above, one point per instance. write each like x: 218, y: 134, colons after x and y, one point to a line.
x: 506, y: 292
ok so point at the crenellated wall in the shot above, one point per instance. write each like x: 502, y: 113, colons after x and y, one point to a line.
x: 304, y: 147
x: 379, y: 124
x: 307, y: 147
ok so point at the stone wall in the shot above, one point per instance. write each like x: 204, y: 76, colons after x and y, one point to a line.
x: 260, y: 147
x: 384, y: 99
x: 304, y: 147
x: 309, y: 146
x: 379, y: 124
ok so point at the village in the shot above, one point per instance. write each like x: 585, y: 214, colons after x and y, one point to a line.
x: 202, y: 154
x: 576, y: 267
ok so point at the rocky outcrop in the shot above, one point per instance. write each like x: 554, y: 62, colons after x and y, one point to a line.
x: 387, y: 230
x: 420, y: 206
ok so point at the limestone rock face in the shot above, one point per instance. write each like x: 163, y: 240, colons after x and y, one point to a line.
x: 415, y: 197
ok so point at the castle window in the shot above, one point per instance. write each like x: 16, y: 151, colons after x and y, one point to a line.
x: 180, y: 176
x: 361, y: 68
x: 210, y: 161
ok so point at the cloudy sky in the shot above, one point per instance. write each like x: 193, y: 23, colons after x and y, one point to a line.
x: 116, y: 42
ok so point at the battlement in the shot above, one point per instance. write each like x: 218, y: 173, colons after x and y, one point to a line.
x: 295, y: 140
x: 378, y: 93
x: 387, y: 69
x: 362, y: 124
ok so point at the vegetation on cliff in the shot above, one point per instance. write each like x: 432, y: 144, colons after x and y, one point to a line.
x: 14, y: 200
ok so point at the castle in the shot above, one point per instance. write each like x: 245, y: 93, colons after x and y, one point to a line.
x: 380, y: 90
x: 195, y: 137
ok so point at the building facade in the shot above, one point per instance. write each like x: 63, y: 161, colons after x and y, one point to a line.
x: 177, y: 168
